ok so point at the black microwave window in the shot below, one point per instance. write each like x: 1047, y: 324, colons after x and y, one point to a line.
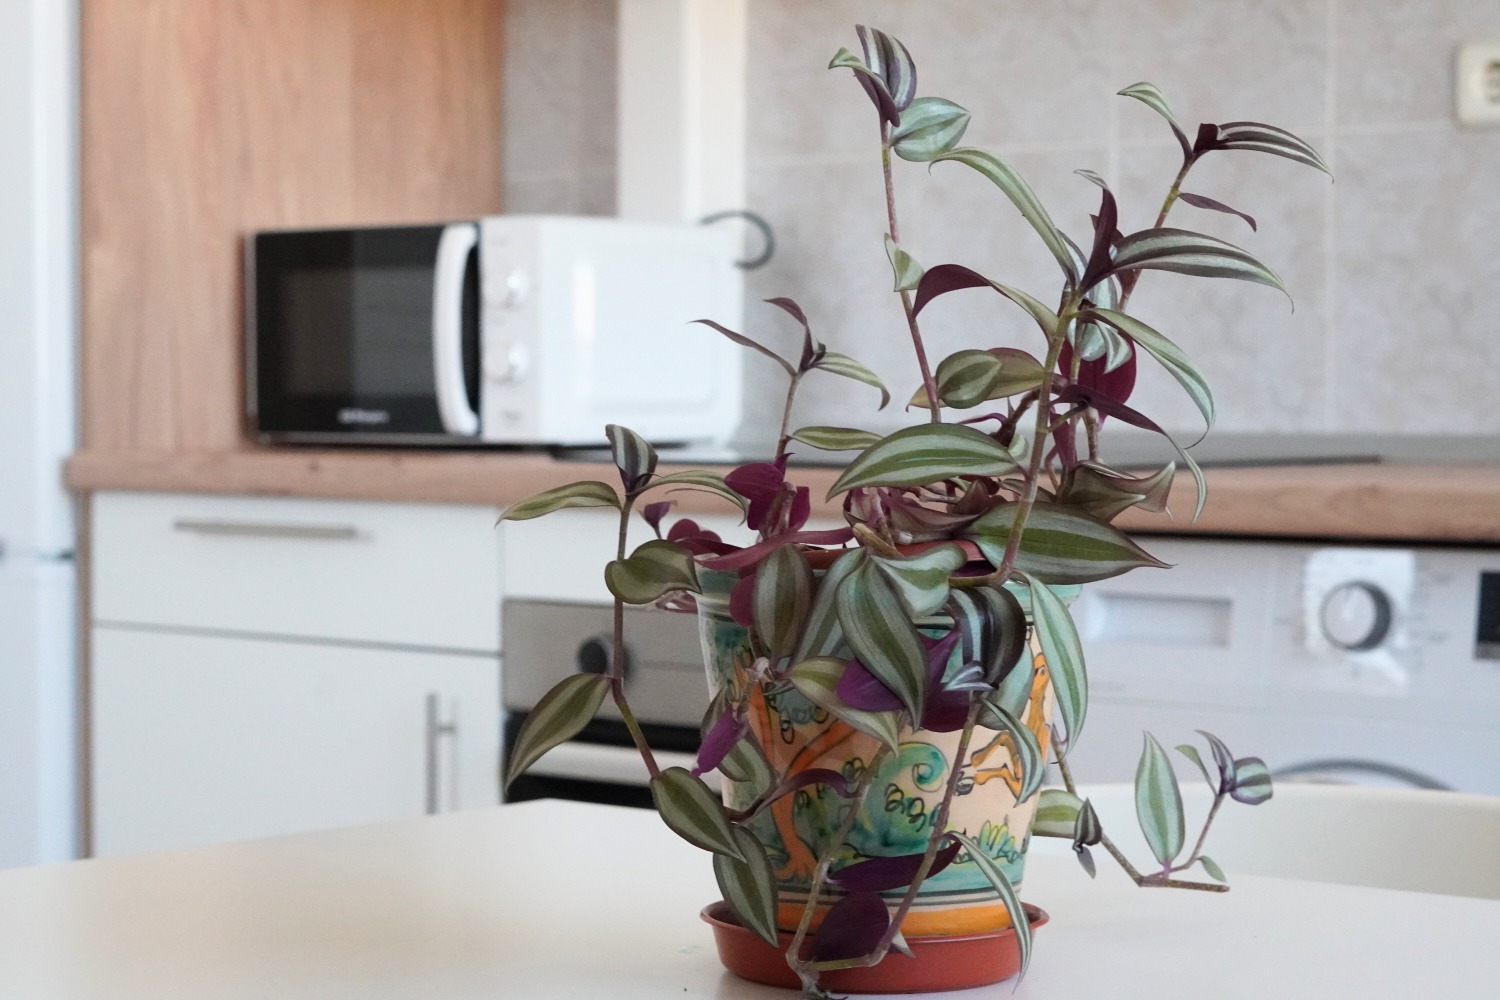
x: 343, y: 331
x: 1487, y: 628
x: 365, y: 331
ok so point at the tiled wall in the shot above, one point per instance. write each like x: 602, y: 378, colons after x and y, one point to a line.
x: 1394, y: 268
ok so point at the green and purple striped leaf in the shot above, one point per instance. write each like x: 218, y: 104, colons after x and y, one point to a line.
x: 591, y: 493
x: 749, y: 885
x: 1260, y: 138
x: 822, y: 635
x: 1191, y: 753
x: 930, y: 127
x: 1212, y: 867
x: 907, y: 272
x: 782, y: 598
x: 967, y: 378
x: 924, y: 454
x: 700, y: 479
x: 1007, y: 894
x: 1168, y: 354
x: 1026, y: 755
x: 817, y: 680
x: 633, y: 455
x: 745, y: 763
x: 921, y: 581
x: 1104, y: 494
x: 890, y: 63
x: 1149, y: 95
x: 836, y: 438
x: 880, y: 632
x: 694, y: 812
x: 656, y: 568
x: 1063, y: 652
x: 1252, y: 781
x: 841, y: 364
x: 1056, y: 813
x: 1191, y: 253
x: 1059, y: 545
x: 1003, y: 176
x: 559, y: 716
x: 1158, y: 803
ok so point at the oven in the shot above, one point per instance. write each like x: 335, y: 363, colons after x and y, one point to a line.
x: 547, y: 640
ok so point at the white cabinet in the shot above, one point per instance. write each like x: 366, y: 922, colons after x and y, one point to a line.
x: 264, y: 666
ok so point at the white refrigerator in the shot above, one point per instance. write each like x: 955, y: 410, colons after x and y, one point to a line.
x: 39, y: 770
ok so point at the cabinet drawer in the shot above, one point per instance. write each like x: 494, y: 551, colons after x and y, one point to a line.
x: 424, y: 575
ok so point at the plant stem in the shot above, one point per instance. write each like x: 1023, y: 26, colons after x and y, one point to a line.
x: 1213, y: 811
x: 1155, y: 881
x: 805, y: 969
x: 929, y: 384
x: 939, y: 828
x: 783, y: 439
x: 617, y: 658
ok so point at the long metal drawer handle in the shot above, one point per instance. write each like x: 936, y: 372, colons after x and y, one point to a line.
x: 436, y: 729
x: 264, y: 529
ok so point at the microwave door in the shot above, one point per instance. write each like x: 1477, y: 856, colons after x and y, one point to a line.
x: 343, y: 345
x: 450, y: 371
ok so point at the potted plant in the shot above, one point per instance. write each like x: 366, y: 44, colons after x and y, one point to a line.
x: 886, y: 694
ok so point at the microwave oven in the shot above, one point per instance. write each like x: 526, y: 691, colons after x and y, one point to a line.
x: 504, y: 330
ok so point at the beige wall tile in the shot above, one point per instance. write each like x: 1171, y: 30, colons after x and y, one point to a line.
x: 1395, y: 57
x: 1416, y: 334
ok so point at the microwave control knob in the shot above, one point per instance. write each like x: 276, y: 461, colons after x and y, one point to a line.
x: 594, y: 655
x: 1356, y: 616
x: 516, y: 285
x: 508, y: 364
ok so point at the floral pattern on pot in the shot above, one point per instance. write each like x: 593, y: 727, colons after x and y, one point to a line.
x: 897, y: 816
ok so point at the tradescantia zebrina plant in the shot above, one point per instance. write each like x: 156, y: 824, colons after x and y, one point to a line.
x: 964, y: 537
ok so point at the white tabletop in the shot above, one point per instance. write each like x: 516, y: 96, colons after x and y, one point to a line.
x: 560, y: 900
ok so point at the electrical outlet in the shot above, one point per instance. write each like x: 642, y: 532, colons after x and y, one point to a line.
x: 1477, y: 83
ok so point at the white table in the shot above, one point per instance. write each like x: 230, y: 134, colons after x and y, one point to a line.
x: 559, y: 900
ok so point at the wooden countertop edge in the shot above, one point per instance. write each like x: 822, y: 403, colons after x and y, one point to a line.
x: 1449, y: 503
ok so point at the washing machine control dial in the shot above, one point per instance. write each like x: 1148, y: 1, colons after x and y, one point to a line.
x: 1356, y: 616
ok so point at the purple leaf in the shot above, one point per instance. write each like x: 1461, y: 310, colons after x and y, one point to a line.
x: 759, y: 483
x: 882, y: 874
x: 744, y: 341
x: 858, y: 688
x: 654, y: 512
x: 721, y: 737
x: 801, y: 508
x: 945, y: 278
x: 753, y: 554
x: 792, y: 309
x: 742, y: 601
x: 1199, y: 201
x: 851, y: 929
x: 1117, y: 385
x: 1065, y: 445
x: 699, y: 541
x: 1104, y: 231
x: 1098, y: 400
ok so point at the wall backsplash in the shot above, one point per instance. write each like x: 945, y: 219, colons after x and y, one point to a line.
x: 1391, y: 267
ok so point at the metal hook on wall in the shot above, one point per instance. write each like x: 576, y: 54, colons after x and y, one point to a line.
x: 768, y: 248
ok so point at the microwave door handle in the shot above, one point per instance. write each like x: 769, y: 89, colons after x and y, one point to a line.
x: 447, y: 328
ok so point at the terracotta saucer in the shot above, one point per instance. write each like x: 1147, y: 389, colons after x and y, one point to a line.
x: 953, y: 962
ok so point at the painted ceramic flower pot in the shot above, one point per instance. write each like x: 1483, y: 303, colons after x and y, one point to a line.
x: 903, y: 800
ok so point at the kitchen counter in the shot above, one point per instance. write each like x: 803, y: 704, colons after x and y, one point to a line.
x: 1446, y: 503
x: 560, y: 900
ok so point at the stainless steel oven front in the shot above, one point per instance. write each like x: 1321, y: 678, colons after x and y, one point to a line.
x: 546, y: 641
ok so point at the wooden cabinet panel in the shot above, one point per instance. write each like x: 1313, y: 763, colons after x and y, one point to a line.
x: 203, y: 120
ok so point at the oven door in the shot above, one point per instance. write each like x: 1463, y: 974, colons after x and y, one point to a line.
x: 364, y: 335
